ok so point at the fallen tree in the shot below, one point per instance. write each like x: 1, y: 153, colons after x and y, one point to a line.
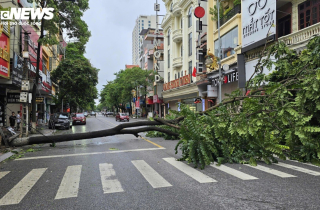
x: 280, y: 115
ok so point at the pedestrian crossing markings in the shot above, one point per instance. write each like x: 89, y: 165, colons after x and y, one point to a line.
x: 69, y: 186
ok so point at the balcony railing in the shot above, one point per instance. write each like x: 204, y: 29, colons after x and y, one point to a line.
x: 235, y: 10
x: 177, y: 62
x: 177, y: 35
x: 176, y: 10
x: 301, y: 35
x: 177, y: 83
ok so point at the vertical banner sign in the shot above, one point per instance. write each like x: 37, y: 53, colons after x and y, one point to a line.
x: 17, y: 70
x: 258, y: 19
x: 4, y: 52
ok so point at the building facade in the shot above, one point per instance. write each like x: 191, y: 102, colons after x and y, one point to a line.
x: 180, y: 46
x: 142, y: 22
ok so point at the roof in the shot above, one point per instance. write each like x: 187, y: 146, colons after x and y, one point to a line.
x: 131, y: 66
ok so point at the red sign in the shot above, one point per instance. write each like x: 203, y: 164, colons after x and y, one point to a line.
x: 199, y: 12
x: 4, y: 55
x: 155, y: 99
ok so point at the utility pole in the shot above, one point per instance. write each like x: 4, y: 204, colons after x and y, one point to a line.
x: 219, y: 53
x: 35, y: 85
x: 26, y: 70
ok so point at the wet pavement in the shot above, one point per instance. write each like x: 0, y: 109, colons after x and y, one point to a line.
x: 125, y: 172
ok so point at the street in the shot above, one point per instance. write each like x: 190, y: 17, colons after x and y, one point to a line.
x: 125, y: 172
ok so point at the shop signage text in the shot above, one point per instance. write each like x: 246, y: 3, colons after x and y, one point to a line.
x: 4, y: 55
x: 26, y: 13
x: 258, y: 16
x: 13, y: 97
x: 233, y: 77
x: 40, y: 100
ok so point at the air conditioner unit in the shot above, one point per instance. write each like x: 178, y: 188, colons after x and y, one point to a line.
x: 23, y: 97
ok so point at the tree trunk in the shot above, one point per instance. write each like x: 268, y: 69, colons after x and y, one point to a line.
x: 118, y: 130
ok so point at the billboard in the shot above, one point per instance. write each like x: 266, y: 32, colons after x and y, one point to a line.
x: 258, y: 18
x: 4, y: 53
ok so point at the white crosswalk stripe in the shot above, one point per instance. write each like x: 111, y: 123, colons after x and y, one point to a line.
x: 193, y: 173
x: 233, y: 172
x: 108, y: 179
x: 3, y: 173
x: 155, y: 179
x: 309, y: 164
x: 271, y: 171
x: 300, y: 169
x: 17, y: 193
x: 69, y: 186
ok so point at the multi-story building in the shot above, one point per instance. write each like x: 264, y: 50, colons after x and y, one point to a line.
x: 243, y: 38
x: 142, y: 22
x: 180, y: 45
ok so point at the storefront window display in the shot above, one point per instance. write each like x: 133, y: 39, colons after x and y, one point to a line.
x: 229, y: 41
x: 193, y: 106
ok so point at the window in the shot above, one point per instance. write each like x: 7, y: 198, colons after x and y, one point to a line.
x: 168, y: 58
x: 190, y: 44
x: 175, y: 76
x: 168, y: 37
x: 190, y: 70
x: 229, y: 41
x: 284, y: 26
x: 171, y: 7
x: 178, y: 75
x: 190, y: 17
x: 168, y: 76
x: 181, y: 23
x: 142, y: 20
x: 149, y: 21
x: 181, y: 73
x: 181, y: 51
x: 309, y: 13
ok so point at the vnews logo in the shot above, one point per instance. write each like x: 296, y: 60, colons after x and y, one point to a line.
x: 26, y: 14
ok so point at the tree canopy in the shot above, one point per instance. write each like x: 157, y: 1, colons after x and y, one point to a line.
x: 77, y: 79
x: 118, y: 91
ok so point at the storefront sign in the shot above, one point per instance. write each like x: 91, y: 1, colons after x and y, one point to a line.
x: 257, y: 17
x: 233, y: 77
x: 40, y: 100
x: 4, y: 54
x: 17, y: 70
x: 13, y: 97
x: 155, y: 99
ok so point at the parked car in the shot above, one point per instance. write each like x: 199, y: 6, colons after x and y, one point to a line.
x: 79, y: 118
x: 92, y: 113
x: 85, y: 114
x: 60, y: 120
x: 109, y: 114
x: 122, y: 116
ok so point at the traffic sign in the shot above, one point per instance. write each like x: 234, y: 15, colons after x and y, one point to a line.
x: 199, y: 12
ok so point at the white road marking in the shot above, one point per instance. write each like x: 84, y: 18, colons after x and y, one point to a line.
x: 233, y: 172
x: 155, y: 179
x: 92, y: 153
x: 3, y: 173
x: 309, y: 164
x: 272, y: 171
x: 109, y: 183
x: 17, y: 193
x: 193, y: 173
x: 303, y: 170
x: 69, y: 186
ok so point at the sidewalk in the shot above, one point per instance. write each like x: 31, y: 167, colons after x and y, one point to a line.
x: 42, y: 129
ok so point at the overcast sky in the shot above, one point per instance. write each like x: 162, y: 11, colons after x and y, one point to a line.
x: 111, y: 23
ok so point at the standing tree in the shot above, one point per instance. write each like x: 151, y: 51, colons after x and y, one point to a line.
x: 67, y: 16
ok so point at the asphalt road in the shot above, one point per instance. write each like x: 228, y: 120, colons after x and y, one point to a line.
x: 124, y: 172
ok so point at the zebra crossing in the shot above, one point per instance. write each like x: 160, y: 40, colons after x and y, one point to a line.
x: 69, y: 185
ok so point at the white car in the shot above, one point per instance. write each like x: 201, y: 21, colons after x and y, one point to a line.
x: 85, y: 114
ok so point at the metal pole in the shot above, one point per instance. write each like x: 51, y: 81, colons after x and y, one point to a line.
x: 27, y: 78
x: 219, y: 53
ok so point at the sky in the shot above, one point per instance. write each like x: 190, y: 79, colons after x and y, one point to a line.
x: 111, y: 23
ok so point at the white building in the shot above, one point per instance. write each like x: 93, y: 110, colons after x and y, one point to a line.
x: 142, y: 22
x: 180, y: 42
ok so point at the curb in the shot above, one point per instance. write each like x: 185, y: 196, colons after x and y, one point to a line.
x: 8, y: 154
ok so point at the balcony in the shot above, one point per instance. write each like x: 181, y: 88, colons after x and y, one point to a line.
x: 235, y: 10
x: 177, y: 35
x: 301, y: 36
x: 177, y: 62
x: 176, y: 10
x: 177, y: 83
